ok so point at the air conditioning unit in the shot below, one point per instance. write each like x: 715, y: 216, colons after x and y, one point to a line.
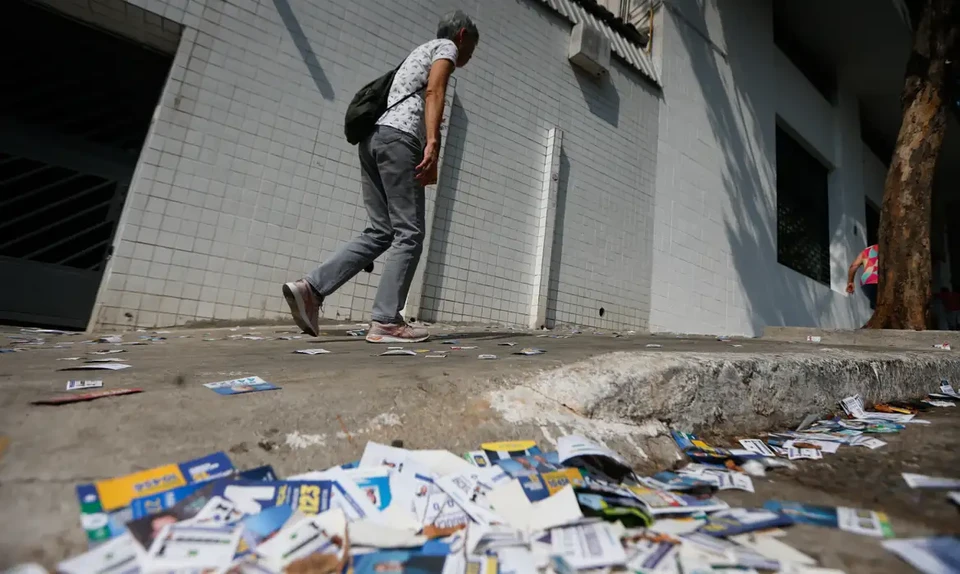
x: 589, y: 49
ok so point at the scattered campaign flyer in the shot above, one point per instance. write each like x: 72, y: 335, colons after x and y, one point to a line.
x: 89, y: 396
x: 824, y: 446
x: 735, y: 481
x: 320, y: 534
x: 659, y: 502
x: 740, y: 520
x: 98, y: 366
x: 858, y: 521
x: 853, y: 406
x: 808, y: 453
x: 947, y: 389
x: 312, y: 352
x: 954, y: 497
x: 477, y: 458
x: 182, y: 547
x: 526, y: 465
x: 923, y: 481
x: 398, y: 561
x: 496, y: 451
x: 117, y: 556
x: 757, y: 446
x: 666, y: 480
x: 649, y: 552
x: 104, y: 505
x: 869, y: 442
x: 154, y: 503
x: 585, y: 546
x: 937, y: 555
x: 77, y: 385
x: 240, y: 386
x: 572, y: 446
x: 530, y: 351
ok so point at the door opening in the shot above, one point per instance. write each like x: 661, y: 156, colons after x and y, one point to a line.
x: 75, y: 106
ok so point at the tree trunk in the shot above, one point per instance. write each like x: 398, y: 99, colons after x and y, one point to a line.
x: 905, y: 266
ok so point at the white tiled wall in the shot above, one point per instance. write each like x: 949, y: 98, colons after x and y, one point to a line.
x: 715, y: 261
x: 245, y: 180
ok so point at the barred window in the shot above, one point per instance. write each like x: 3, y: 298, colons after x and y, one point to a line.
x: 803, y: 228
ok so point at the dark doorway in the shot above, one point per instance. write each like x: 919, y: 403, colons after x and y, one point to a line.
x: 75, y: 106
x: 873, y: 223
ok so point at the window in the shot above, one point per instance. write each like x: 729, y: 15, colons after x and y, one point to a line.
x: 815, y: 67
x: 803, y: 232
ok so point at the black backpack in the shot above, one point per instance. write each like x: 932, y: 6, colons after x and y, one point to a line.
x: 368, y: 105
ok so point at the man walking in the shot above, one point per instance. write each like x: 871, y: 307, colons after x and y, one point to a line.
x: 869, y: 260
x: 396, y: 161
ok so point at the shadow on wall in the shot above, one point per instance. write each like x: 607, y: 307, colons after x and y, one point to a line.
x: 303, y: 46
x: 556, y: 253
x: 601, y: 96
x: 774, y: 294
x: 436, y: 252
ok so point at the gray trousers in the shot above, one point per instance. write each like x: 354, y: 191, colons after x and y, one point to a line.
x: 395, y: 205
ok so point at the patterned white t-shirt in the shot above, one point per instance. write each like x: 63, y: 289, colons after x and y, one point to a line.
x: 412, y: 76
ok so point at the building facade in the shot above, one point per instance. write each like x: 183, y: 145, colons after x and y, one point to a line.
x: 645, y: 199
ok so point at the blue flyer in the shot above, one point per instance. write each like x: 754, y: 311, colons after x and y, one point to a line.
x: 740, y: 520
x: 240, y: 386
x: 147, y: 505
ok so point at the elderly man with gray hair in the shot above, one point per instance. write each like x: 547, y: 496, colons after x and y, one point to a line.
x: 397, y: 160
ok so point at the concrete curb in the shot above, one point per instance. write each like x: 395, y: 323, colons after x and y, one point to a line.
x: 632, y: 399
x: 865, y: 337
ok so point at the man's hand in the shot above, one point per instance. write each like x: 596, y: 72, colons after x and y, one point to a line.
x: 427, y: 170
x: 850, y: 287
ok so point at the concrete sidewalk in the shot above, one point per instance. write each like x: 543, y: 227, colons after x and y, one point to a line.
x: 616, y: 389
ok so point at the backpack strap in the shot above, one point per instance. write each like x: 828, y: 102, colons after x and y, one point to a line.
x: 406, y: 97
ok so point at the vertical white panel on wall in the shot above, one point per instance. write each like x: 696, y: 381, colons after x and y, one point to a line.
x: 415, y: 295
x: 545, y: 223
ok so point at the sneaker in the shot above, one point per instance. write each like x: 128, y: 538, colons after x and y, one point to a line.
x: 396, y: 333
x: 304, y: 305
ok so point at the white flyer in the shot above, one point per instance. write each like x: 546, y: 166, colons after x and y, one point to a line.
x: 376, y: 454
x: 585, y: 546
x: 869, y: 442
x: 469, y: 494
x: 771, y: 547
x: 923, y: 481
x: 937, y: 555
x: 809, y: 453
x: 757, y: 446
x: 934, y: 402
x: 649, y: 554
x: 308, y: 536
x: 312, y: 352
x: 192, y: 547
x: 853, y: 406
x: 865, y: 522
x: 117, y: 556
x: 77, y: 385
x: 511, y: 502
x: 947, y: 389
x: 99, y: 367
x: 735, y: 481
x: 955, y: 497
x: 217, y: 511
x: 571, y: 446
x: 108, y: 352
x: 825, y: 446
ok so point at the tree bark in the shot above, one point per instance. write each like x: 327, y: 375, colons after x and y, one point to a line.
x: 905, y: 265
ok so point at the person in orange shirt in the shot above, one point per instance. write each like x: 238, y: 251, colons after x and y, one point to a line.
x: 869, y: 260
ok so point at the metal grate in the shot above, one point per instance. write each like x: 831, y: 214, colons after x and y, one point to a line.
x: 55, y: 215
x: 803, y: 226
